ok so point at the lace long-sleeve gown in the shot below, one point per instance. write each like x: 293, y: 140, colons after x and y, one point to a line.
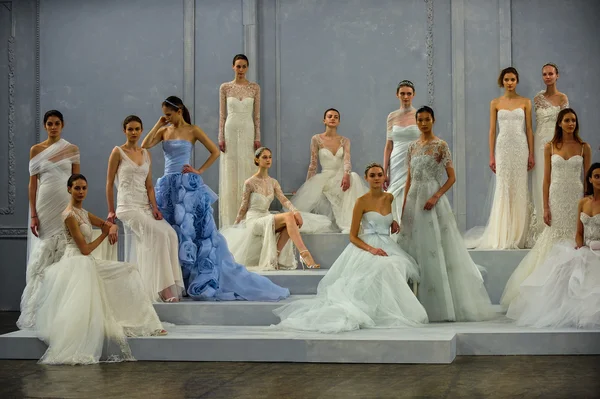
x: 253, y: 238
x: 85, y: 300
x: 566, y: 189
x: 149, y: 243
x: 451, y: 287
x: 239, y: 127
x: 53, y: 167
x: 209, y: 269
x: 564, y: 291
x: 401, y: 130
x: 322, y: 192
x: 361, y: 290
x: 545, y: 117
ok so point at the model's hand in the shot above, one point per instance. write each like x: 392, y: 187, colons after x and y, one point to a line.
x: 345, y: 182
x: 386, y: 183
x: 530, y: 162
x: 222, y: 146
x: 431, y: 202
x: 189, y: 169
x: 547, y: 217
x: 162, y: 121
x: 256, y: 144
x: 113, y: 234
x: 35, y: 226
x: 395, y: 227
x: 493, y: 164
x: 156, y: 213
x: 378, y: 252
x: 298, y: 218
x: 112, y: 216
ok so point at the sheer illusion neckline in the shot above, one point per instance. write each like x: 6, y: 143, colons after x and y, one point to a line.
x: 323, y: 147
x: 547, y: 100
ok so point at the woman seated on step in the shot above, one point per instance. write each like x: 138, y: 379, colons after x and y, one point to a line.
x: 367, y: 285
x: 259, y: 239
x: 85, y: 300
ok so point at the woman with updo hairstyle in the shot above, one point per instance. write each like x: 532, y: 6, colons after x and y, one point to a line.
x: 210, y: 272
x: 547, y: 104
x: 51, y: 162
x: 366, y: 286
x: 261, y: 240
x: 451, y: 286
x: 511, y: 157
x: 86, y: 302
x: 239, y: 137
x: 401, y: 131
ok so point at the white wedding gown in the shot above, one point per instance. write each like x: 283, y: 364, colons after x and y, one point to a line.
x: 566, y: 189
x: 253, y: 239
x: 508, y: 223
x: 53, y: 167
x: 361, y: 290
x: 451, y: 287
x: 402, y: 136
x: 564, y: 291
x: 85, y: 300
x: 151, y: 244
x: 322, y: 193
x: 239, y: 127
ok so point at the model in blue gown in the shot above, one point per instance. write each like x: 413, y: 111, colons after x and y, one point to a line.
x: 210, y: 273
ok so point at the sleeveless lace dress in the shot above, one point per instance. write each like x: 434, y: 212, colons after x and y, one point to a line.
x: 239, y: 127
x: 566, y: 189
x: 86, y: 301
x: 361, y: 290
x: 149, y: 243
x: 451, y: 287
x: 564, y: 291
x: 545, y: 118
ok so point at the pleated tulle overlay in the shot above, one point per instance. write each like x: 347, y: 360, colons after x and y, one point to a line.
x: 401, y: 137
x: 322, y: 192
x: 451, y: 287
x: 87, y: 301
x: 508, y: 224
x: 53, y: 168
x: 149, y: 243
x: 564, y: 291
x: 545, y: 120
x: 361, y: 290
x: 566, y: 188
x: 209, y: 269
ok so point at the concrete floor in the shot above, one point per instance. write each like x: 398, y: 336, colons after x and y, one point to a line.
x: 469, y: 377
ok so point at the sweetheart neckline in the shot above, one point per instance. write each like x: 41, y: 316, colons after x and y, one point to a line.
x: 566, y: 159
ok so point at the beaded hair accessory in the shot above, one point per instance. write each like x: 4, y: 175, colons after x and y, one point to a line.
x: 259, y: 151
x: 172, y: 104
x: 406, y: 83
x: 372, y: 165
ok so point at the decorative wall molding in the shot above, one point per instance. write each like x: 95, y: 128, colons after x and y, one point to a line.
x: 250, y: 22
x: 505, y: 27
x: 11, y: 183
x: 278, y: 83
x: 429, y: 52
x: 189, y: 58
x: 459, y: 199
x: 13, y: 232
x: 38, y: 110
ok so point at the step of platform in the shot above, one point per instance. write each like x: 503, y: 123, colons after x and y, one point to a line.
x: 434, y: 343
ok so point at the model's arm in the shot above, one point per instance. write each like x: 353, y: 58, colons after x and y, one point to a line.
x: 357, y: 213
x: 84, y: 247
x: 155, y: 135
x: 546, y: 183
x: 209, y: 145
x: 150, y: 190
x: 445, y: 159
x: 245, y: 202
x: 579, y: 236
x: 565, y: 102
x: 111, y: 173
x: 222, y: 116
x: 387, y: 150
x: 257, y: 117
x: 529, y: 132
x: 314, y: 154
x: 113, y: 229
x: 492, y: 135
x: 33, y: 184
x: 587, y: 161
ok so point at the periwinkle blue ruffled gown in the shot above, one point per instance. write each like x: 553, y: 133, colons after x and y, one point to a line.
x: 209, y: 270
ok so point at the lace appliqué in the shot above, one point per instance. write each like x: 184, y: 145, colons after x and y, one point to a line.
x: 316, y: 144
x: 591, y: 227
x: 428, y: 161
x: 268, y: 188
x: 400, y: 117
x: 231, y: 89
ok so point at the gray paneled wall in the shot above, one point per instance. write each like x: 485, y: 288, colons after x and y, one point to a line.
x: 102, y: 60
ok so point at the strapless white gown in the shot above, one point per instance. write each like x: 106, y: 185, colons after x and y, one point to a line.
x: 402, y: 137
